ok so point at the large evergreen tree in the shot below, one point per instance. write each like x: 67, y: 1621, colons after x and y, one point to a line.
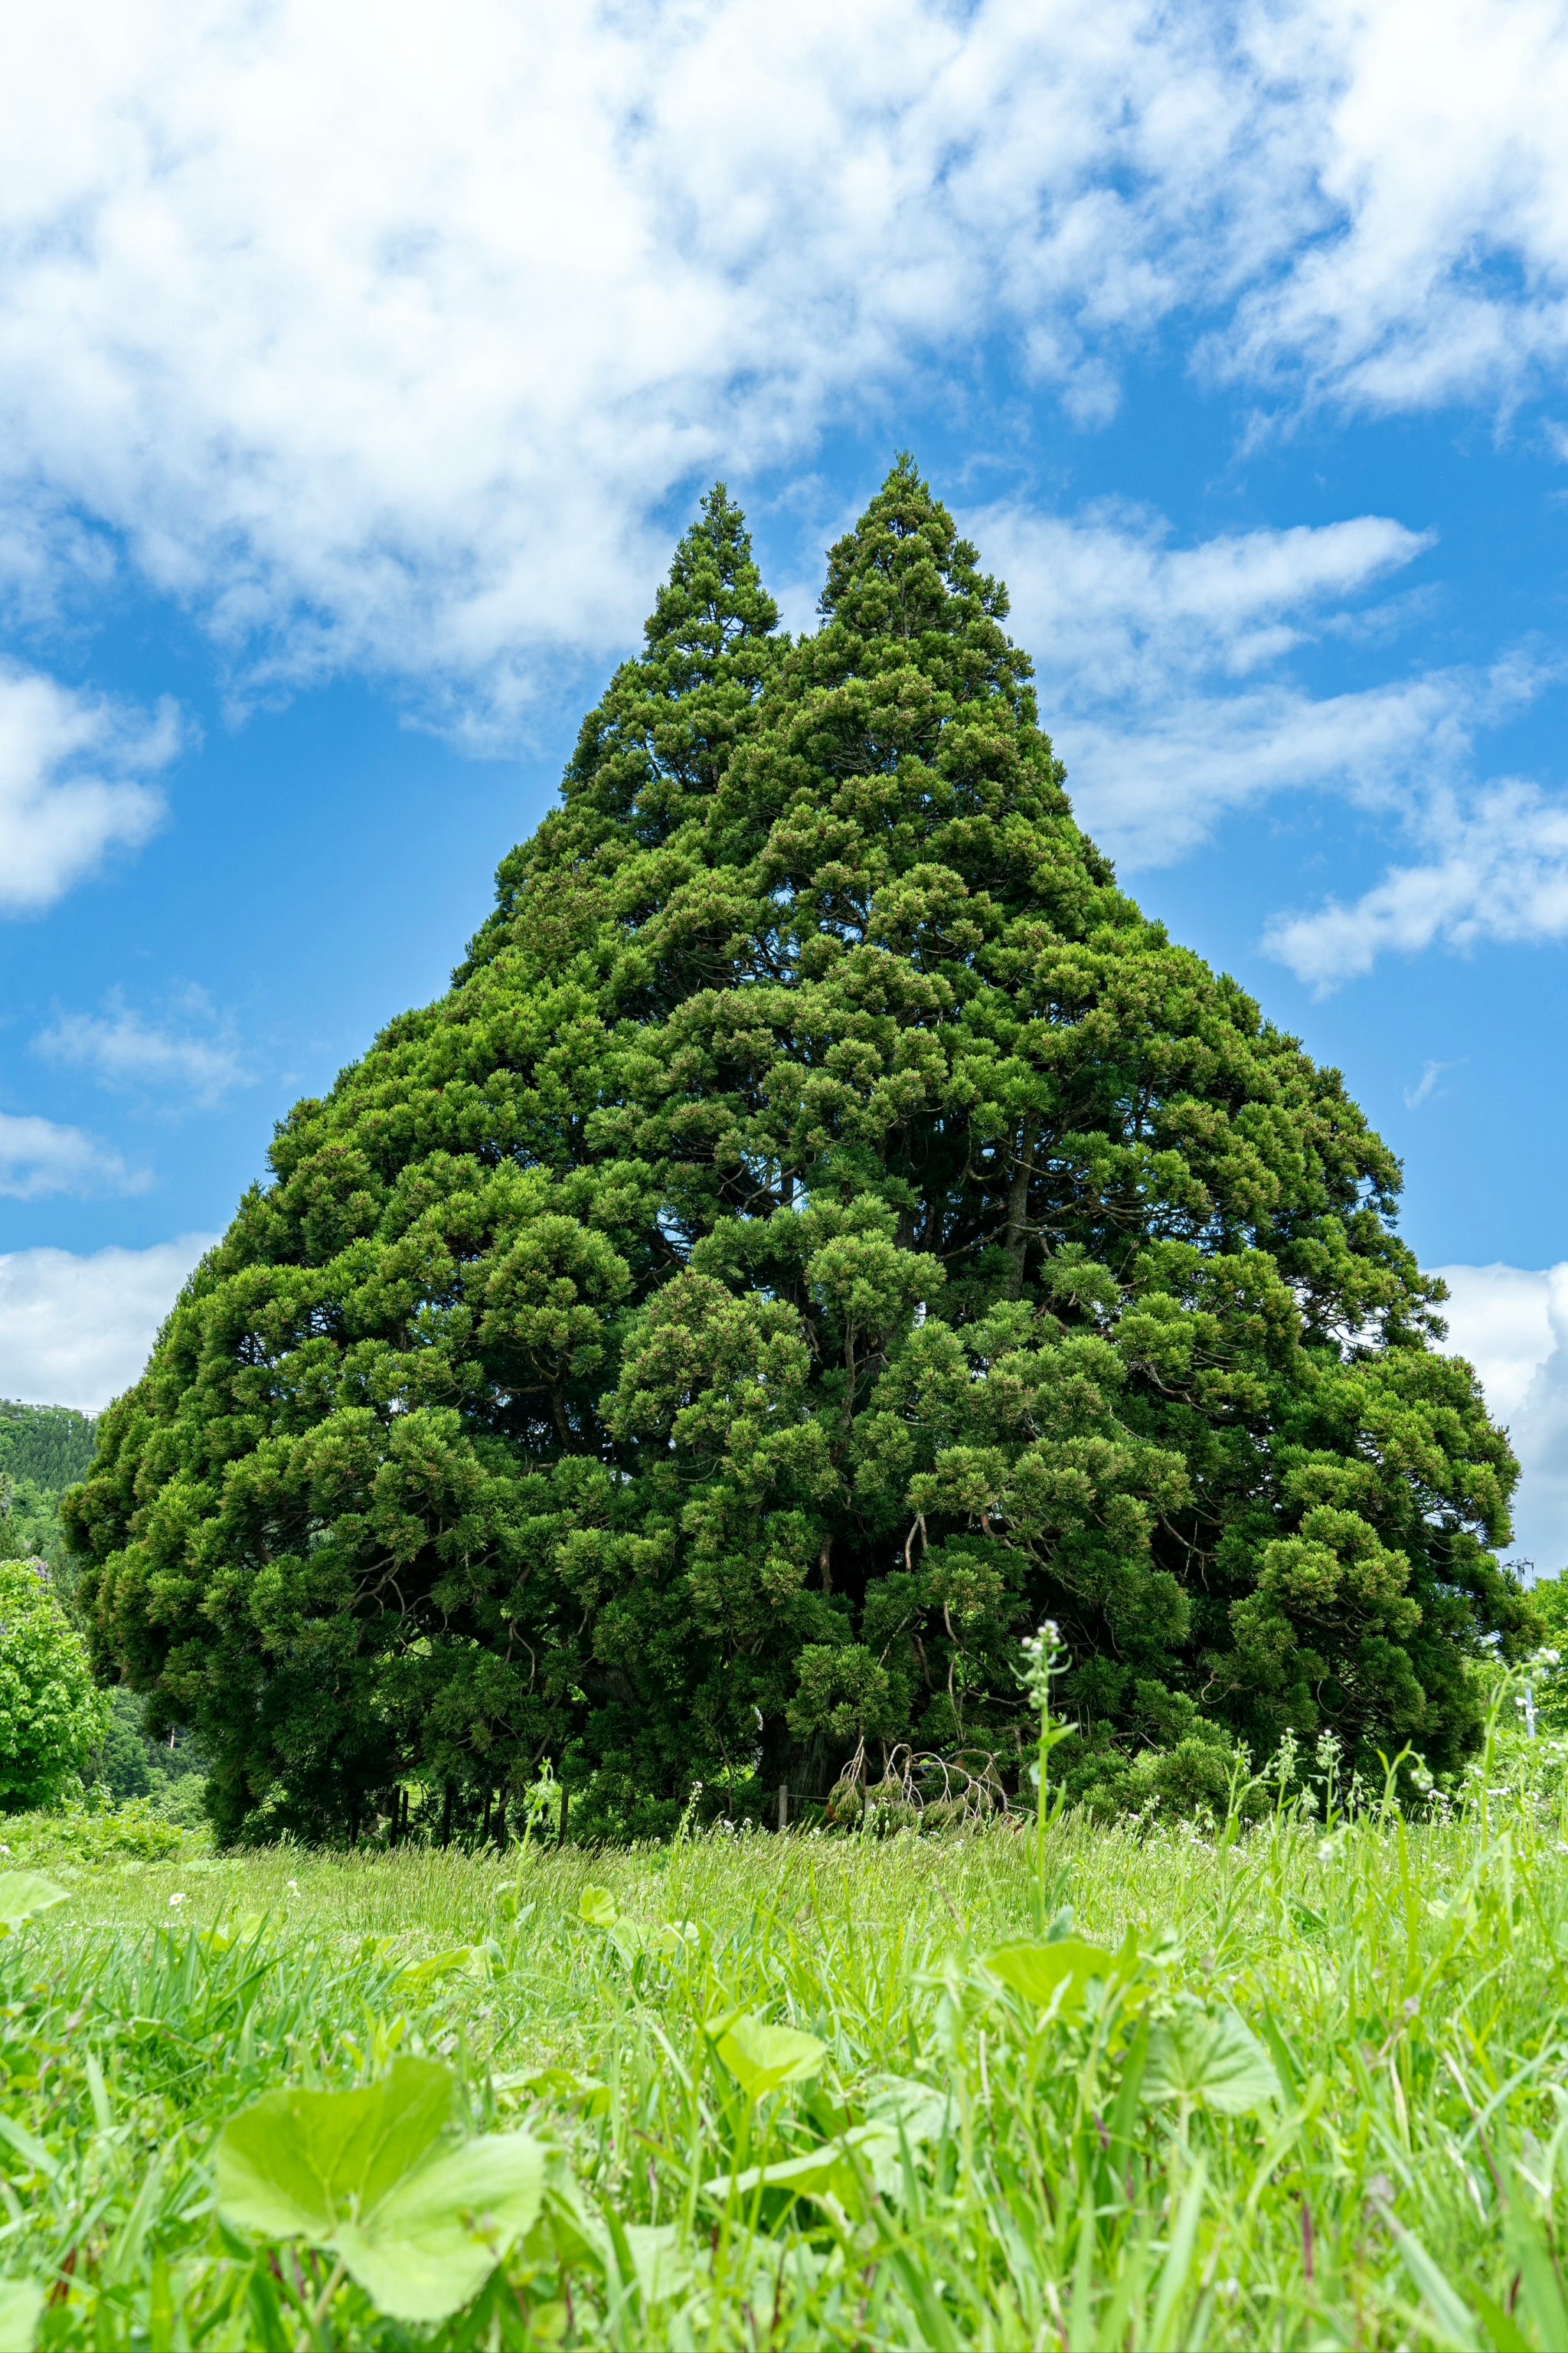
x: 825, y: 1228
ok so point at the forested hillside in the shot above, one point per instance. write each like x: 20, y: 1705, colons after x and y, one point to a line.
x: 44, y: 1449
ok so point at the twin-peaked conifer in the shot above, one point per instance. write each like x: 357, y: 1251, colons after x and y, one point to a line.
x: 825, y: 1230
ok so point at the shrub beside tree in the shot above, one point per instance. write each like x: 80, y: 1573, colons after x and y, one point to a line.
x: 52, y: 1716
x: 824, y: 1230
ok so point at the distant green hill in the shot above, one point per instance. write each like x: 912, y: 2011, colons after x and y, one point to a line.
x: 50, y: 1445
x: 44, y: 1449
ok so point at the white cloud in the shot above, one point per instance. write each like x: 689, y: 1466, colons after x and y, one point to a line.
x: 1512, y: 1324
x: 39, y: 1157
x: 1427, y: 1084
x: 77, y: 1330
x: 1498, y: 870
x: 202, y: 1060
x: 380, y: 334
x: 1160, y: 669
x: 1430, y: 135
x: 71, y: 783
x: 1106, y: 593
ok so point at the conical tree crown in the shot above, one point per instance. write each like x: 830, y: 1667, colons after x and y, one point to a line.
x: 825, y: 1230
x: 668, y: 721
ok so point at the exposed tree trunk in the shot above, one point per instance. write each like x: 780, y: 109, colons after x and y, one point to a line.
x: 1018, y: 1211
x: 446, y: 1815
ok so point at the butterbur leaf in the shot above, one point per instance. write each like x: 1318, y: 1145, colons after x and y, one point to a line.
x: 24, y: 1893
x: 21, y: 2303
x: 229, y: 1933
x: 597, y: 1906
x: 830, y: 2169
x: 434, y: 2240
x: 428, y: 1971
x: 675, y: 1937
x: 1210, y: 2058
x: 1059, y: 1973
x: 764, y: 2058
x: 663, y: 2267
x: 561, y: 2083
x: 298, y: 2163
x: 921, y: 2112
x: 369, y: 2174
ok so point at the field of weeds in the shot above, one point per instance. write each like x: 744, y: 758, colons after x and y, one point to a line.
x: 1301, y: 2082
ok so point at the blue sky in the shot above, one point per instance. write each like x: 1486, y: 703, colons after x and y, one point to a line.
x: 360, y: 368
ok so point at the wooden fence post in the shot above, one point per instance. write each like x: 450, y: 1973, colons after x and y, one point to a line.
x: 565, y: 1803
x: 783, y: 1806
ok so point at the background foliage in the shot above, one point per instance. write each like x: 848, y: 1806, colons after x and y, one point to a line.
x: 43, y: 1449
x: 824, y: 1230
x: 52, y: 1715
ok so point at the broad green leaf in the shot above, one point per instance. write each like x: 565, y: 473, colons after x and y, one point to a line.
x: 663, y: 2267
x: 560, y: 2084
x: 434, y: 2240
x: 299, y: 2163
x: 364, y: 2173
x: 922, y: 2111
x: 830, y: 2168
x: 675, y: 1937
x: 24, y: 1893
x: 597, y: 1906
x: 1210, y: 2058
x: 428, y: 1971
x: 21, y: 2309
x: 1061, y: 1972
x: 229, y: 1933
x: 762, y: 2058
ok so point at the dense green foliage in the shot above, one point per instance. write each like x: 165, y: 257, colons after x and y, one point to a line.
x: 43, y: 1449
x: 1366, y: 2019
x: 52, y: 1716
x: 50, y: 1444
x: 825, y: 1228
x: 129, y: 1766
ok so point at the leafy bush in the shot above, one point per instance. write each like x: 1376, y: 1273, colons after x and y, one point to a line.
x: 51, y: 1715
x: 136, y: 1832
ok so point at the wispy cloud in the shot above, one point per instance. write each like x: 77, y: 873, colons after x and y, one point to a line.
x: 1168, y: 670
x: 1497, y: 868
x: 77, y: 1330
x: 196, y: 1053
x: 73, y: 782
x: 1427, y: 1084
x: 39, y: 1157
x: 381, y: 337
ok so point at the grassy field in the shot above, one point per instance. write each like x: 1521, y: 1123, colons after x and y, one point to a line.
x: 1312, y: 2092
